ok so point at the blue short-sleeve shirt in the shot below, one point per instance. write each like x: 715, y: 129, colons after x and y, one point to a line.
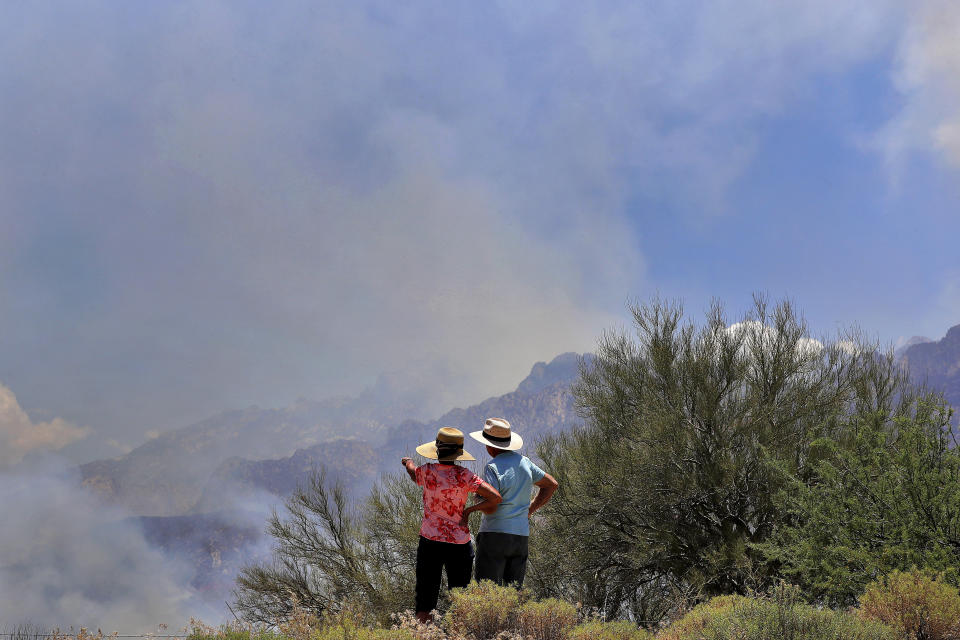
x: 513, y: 476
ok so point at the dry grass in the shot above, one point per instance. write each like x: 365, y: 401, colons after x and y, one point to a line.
x: 916, y: 603
x: 904, y: 606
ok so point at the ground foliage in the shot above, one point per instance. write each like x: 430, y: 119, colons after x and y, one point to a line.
x: 782, y: 615
x: 486, y: 611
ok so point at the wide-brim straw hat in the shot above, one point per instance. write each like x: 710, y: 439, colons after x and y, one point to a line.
x: 448, y: 447
x: 497, y: 434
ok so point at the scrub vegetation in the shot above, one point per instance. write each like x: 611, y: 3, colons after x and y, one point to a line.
x: 912, y: 605
x: 730, y: 480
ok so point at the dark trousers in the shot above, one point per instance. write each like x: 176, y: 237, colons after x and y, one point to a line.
x: 501, y: 557
x: 432, y: 558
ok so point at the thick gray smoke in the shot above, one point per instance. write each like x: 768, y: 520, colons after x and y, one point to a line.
x: 67, y: 560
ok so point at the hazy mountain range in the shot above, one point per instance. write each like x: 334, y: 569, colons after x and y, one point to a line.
x: 197, y: 468
x: 167, y: 475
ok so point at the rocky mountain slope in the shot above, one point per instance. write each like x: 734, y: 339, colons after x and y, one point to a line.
x: 166, y: 475
x: 937, y: 363
x: 238, y: 481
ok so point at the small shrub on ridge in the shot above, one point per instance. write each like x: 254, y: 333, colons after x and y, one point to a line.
x: 350, y: 623
x: 619, y: 630
x: 548, y: 619
x: 708, y: 620
x: 350, y: 630
x: 916, y: 603
x: 481, y: 610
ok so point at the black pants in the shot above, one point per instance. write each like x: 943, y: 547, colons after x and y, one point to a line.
x: 502, y: 557
x: 432, y: 558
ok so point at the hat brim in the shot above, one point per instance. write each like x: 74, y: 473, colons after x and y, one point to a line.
x: 429, y: 450
x: 515, y: 441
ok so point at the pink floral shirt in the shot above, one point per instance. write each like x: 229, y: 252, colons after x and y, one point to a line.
x: 445, y: 489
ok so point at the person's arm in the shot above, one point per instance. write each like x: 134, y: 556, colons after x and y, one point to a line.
x: 490, y: 498
x: 410, y: 467
x: 547, y: 485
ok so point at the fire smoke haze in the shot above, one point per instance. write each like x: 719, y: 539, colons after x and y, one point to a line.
x: 207, y: 205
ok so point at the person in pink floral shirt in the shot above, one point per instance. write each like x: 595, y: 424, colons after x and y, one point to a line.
x: 444, y: 535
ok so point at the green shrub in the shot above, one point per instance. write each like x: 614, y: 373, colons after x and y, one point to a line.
x: 782, y: 616
x: 481, y: 610
x: 916, y: 603
x: 619, y: 630
x: 548, y: 619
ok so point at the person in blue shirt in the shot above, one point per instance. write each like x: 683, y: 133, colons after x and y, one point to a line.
x: 502, y: 542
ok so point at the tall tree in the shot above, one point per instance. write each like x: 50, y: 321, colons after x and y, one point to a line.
x: 329, y: 555
x: 667, y: 487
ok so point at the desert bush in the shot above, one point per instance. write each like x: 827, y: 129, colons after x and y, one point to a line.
x: 782, y: 615
x: 549, y: 619
x: 598, y: 630
x: 330, y: 554
x: 916, y: 603
x: 481, y: 610
x: 708, y: 620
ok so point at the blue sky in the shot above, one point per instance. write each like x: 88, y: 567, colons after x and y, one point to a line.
x: 207, y: 205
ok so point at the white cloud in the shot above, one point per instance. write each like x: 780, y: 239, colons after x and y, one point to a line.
x: 756, y: 334
x: 848, y: 346
x: 19, y: 435
x: 926, y: 75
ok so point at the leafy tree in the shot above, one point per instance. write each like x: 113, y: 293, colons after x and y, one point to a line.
x: 667, y: 488
x: 884, y: 496
x: 329, y: 555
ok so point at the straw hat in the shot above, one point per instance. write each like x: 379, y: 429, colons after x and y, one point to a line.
x: 446, y: 448
x: 496, y: 433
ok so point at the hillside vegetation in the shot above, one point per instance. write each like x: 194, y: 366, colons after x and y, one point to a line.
x: 716, y: 461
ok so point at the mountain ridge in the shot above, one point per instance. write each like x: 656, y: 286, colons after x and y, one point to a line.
x: 170, y: 475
